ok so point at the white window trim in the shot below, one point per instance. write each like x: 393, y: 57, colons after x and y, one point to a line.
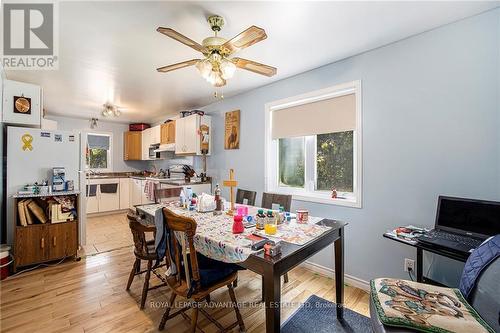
x: 271, y: 156
x: 110, y: 151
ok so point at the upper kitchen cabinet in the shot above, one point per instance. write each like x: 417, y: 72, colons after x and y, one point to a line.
x: 146, y: 142
x: 155, y: 135
x: 167, y: 133
x: 193, y: 135
x: 132, y: 145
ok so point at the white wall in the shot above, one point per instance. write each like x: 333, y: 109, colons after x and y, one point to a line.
x: 76, y: 124
x: 430, y: 127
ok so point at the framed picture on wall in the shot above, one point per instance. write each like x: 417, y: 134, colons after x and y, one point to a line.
x: 232, y: 130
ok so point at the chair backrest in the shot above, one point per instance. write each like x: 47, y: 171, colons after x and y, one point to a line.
x: 246, y: 194
x: 268, y: 199
x: 139, y: 231
x: 181, y: 250
x: 167, y: 194
x: 485, y: 297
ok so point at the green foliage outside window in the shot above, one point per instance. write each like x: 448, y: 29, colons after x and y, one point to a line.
x: 334, y: 161
x: 97, y: 158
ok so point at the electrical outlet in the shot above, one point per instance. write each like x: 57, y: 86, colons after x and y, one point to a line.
x: 409, y: 265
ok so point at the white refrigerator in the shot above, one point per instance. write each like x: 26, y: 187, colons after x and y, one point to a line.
x: 31, y: 155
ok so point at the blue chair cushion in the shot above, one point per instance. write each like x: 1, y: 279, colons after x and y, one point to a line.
x: 213, y: 271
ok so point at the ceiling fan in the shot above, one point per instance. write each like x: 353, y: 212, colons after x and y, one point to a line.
x: 217, y: 66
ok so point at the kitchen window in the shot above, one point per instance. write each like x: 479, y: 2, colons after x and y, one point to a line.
x: 313, y: 145
x: 99, y: 152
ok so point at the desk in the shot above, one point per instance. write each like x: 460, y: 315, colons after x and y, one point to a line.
x: 421, y: 247
x: 272, y: 268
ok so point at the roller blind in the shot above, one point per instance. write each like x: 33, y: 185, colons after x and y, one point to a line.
x: 337, y: 114
x: 98, y: 141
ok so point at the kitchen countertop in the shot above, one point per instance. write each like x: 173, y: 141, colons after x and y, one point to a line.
x: 135, y: 175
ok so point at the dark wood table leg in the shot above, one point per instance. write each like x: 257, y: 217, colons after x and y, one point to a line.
x: 420, y: 264
x: 272, y: 298
x: 339, y: 274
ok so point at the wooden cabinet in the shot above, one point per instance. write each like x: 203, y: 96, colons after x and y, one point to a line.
x: 30, y: 245
x: 188, y: 137
x: 61, y: 240
x: 132, y: 145
x: 167, y: 133
x: 37, y: 243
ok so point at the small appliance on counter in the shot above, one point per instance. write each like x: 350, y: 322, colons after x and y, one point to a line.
x: 58, y: 179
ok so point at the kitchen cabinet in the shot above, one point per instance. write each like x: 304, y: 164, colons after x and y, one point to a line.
x: 155, y: 136
x: 188, y: 136
x: 124, y: 193
x: 132, y: 146
x: 146, y: 142
x: 104, y: 200
x: 167, y: 133
x: 92, y: 204
x: 135, y: 192
x: 109, y: 199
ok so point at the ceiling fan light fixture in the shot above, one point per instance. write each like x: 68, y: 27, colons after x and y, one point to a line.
x: 204, y: 67
x: 227, y: 69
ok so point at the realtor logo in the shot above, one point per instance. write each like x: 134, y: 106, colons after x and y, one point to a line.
x: 29, y: 36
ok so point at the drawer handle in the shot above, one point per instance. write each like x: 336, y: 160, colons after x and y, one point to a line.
x: 54, y: 241
x: 42, y: 243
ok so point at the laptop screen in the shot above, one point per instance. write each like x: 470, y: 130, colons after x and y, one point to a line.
x: 467, y: 216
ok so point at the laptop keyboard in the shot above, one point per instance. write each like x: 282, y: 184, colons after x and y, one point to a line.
x: 469, y: 241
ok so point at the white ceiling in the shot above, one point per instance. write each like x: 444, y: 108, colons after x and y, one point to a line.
x: 109, y: 51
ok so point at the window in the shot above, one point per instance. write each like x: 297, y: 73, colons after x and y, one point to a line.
x: 313, y: 145
x: 98, y: 152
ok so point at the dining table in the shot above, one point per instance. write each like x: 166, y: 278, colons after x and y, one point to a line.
x: 299, y: 241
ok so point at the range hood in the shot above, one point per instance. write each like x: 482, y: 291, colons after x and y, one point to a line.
x: 165, y: 147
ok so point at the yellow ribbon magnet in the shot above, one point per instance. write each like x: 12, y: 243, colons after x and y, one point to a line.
x: 27, y: 139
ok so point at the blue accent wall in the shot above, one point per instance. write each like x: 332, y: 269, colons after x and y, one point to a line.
x: 430, y: 126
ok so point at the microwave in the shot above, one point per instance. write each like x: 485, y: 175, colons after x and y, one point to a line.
x: 153, y: 155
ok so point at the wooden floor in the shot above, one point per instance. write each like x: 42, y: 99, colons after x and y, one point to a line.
x: 90, y: 296
x: 107, y: 232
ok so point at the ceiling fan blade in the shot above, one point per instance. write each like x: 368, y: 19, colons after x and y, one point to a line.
x: 173, y: 67
x: 255, y: 67
x: 245, y: 39
x: 181, y: 38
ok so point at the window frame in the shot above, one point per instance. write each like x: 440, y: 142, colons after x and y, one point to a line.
x: 109, y: 156
x: 309, y: 193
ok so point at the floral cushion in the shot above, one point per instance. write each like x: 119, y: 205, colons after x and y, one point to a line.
x: 424, y: 307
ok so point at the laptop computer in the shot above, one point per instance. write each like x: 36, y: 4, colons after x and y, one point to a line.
x: 463, y: 224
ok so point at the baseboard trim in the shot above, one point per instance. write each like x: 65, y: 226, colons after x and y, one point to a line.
x: 328, y: 272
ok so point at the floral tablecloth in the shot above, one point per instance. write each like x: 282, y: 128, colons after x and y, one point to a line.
x: 214, y: 237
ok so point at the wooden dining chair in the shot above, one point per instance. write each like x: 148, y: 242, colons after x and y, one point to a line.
x: 268, y: 199
x: 285, y: 200
x: 167, y: 194
x: 194, y: 276
x: 241, y: 195
x: 143, y: 250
